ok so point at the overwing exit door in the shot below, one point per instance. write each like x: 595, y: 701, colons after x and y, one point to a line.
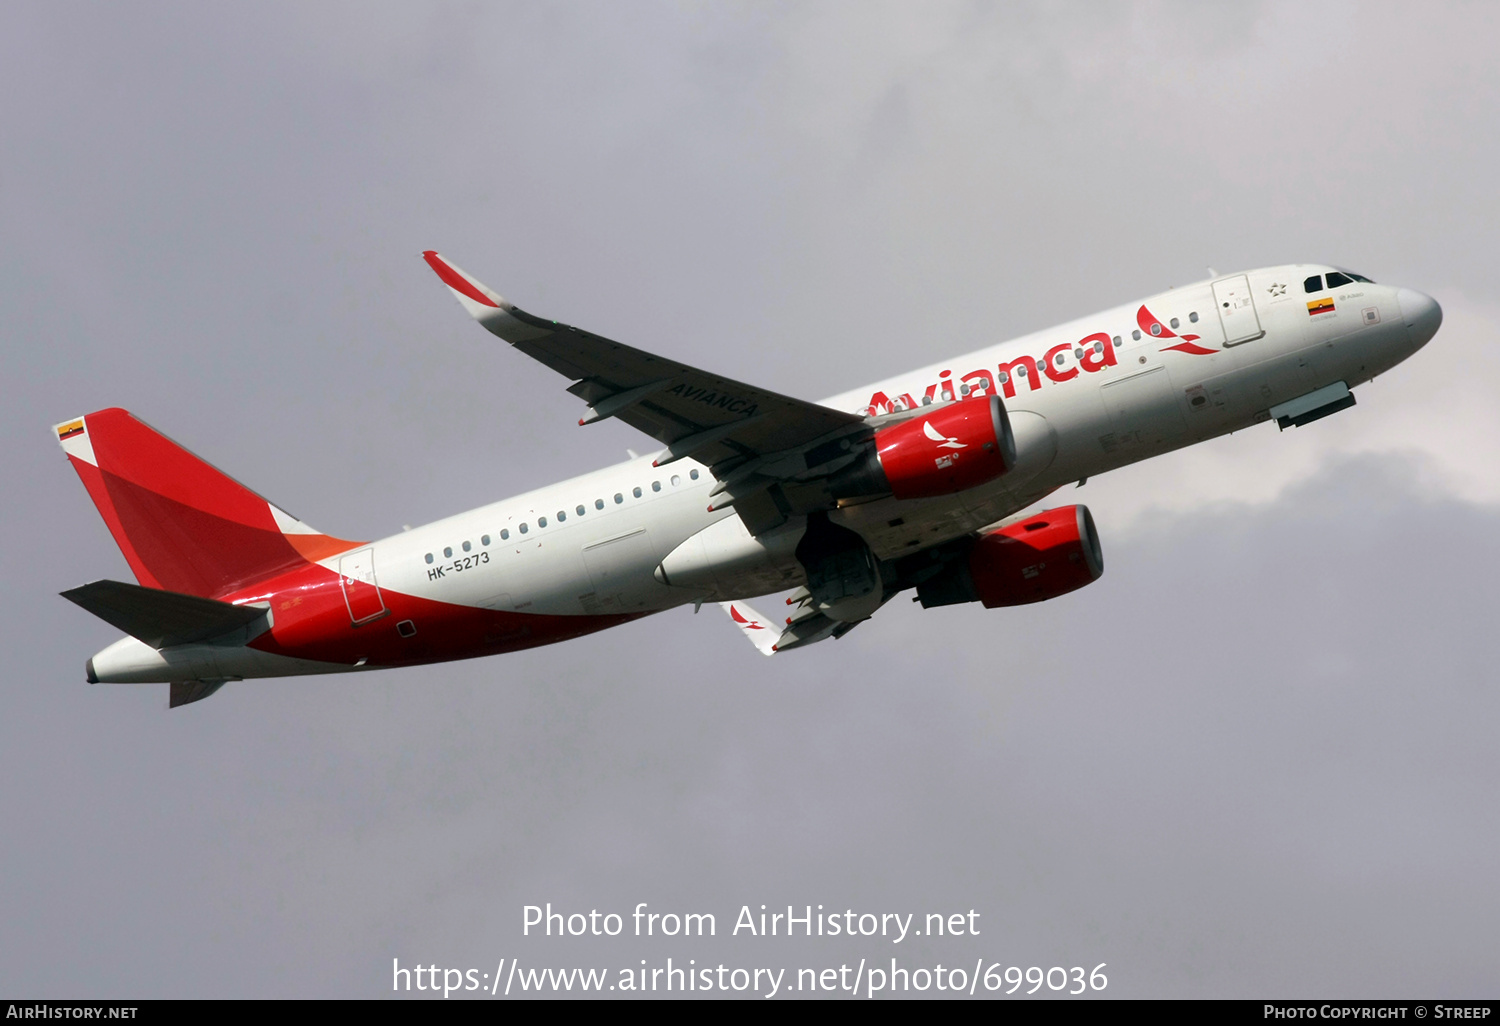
x: 1237, y: 310
x: 361, y: 593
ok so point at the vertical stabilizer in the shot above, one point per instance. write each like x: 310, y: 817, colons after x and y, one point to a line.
x: 183, y: 525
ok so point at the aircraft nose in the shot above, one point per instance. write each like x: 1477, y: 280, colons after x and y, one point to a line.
x: 1422, y: 315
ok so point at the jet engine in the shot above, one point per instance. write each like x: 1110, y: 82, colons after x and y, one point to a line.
x: 1041, y: 557
x: 949, y: 449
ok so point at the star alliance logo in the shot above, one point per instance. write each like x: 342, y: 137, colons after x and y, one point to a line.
x: 1277, y: 289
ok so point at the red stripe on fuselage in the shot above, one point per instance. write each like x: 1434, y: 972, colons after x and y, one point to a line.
x: 311, y: 621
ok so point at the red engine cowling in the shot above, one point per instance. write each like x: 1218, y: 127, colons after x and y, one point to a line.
x: 1045, y: 556
x: 956, y: 446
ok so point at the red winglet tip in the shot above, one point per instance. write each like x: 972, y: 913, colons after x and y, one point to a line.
x: 455, y: 281
x: 580, y: 422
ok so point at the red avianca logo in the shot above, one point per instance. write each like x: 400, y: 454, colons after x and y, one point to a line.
x: 749, y: 625
x: 1090, y: 354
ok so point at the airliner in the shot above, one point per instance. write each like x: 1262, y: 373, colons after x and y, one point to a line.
x: 918, y: 483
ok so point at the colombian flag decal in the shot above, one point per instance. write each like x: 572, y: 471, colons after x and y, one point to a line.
x: 67, y: 431
x: 1317, y: 306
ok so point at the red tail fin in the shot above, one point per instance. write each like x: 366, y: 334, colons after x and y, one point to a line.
x: 182, y: 525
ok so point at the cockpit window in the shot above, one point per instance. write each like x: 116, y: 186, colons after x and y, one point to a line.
x: 1360, y: 277
x: 1335, y: 279
x: 1313, y: 284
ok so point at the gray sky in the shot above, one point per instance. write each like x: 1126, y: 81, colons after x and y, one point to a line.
x: 1255, y: 759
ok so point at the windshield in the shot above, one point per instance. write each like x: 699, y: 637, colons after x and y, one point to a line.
x: 1336, y: 279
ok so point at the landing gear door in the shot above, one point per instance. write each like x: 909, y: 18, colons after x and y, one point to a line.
x: 361, y: 593
x: 1237, y: 310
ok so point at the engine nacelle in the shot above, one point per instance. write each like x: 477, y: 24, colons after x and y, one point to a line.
x: 952, y: 448
x: 1042, y: 557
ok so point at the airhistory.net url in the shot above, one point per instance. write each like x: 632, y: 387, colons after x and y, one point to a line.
x: 862, y: 980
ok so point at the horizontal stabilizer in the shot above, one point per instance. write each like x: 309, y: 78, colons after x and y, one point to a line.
x: 161, y: 618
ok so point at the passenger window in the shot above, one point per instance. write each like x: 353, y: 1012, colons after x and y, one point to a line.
x: 467, y: 546
x: 429, y: 557
x: 598, y: 503
x: 523, y: 527
x: 1099, y: 346
x: 693, y: 474
x: 484, y: 539
x: 963, y: 389
x: 656, y: 486
x: 1193, y: 317
x: 562, y: 515
x: 448, y: 552
x: 504, y: 533
x: 1136, y: 334
x: 582, y: 510
x: 927, y: 400
x: 1155, y: 328
x: 541, y: 521
x: 676, y: 480
x: 636, y: 491
x: 1336, y: 280
x: 619, y: 498
x: 1313, y: 284
x: 1004, y: 377
x: 1176, y: 323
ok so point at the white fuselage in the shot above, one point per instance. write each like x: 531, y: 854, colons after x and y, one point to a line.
x: 1075, y: 423
x: 1083, y: 398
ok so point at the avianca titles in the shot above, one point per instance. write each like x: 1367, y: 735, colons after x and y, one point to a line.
x: 918, y: 482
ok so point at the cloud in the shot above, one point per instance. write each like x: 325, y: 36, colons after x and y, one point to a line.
x: 1418, y: 415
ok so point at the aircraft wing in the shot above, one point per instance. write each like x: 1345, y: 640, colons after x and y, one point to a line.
x: 720, y: 422
x: 762, y: 632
